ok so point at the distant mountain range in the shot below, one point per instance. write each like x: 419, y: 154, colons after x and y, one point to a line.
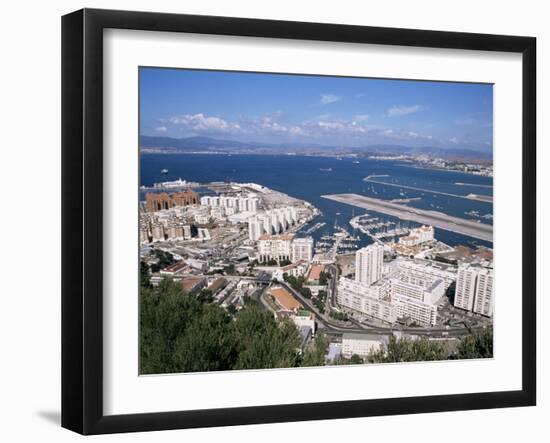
x: 209, y: 144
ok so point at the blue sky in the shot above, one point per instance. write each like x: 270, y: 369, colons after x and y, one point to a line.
x: 332, y: 111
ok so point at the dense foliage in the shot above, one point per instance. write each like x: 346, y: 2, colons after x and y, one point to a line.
x: 402, y: 350
x: 476, y: 345
x: 181, y: 332
x: 185, y: 333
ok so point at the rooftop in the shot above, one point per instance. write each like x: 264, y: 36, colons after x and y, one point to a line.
x: 175, y: 267
x: 315, y: 272
x: 293, y: 265
x: 190, y: 283
x: 369, y: 337
x: 285, y: 299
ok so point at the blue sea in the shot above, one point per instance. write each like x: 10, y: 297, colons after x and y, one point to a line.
x: 307, y: 178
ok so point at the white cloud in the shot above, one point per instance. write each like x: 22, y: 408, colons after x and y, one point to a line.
x: 399, y: 110
x: 202, y: 123
x: 341, y: 127
x: 271, y: 125
x: 329, y: 98
x: 161, y: 129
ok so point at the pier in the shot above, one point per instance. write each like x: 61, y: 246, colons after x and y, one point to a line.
x: 439, y: 220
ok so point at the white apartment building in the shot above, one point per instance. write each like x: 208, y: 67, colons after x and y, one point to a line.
x: 416, y: 310
x: 366, y: 300
x: 465, y: 288
x: 405, y: 293
x: 296, y: 269
x: 417, y: 236
x: 302, y: 249
x: 272, y: 221
x: 484, y: 295
x: 368, y: 264
x: 276, y: 247
x: 203, y: 234
x: 361, y: 344
x: 418, y: 286
x: 143, y: 233
x: 304, y: 318
x: 157, y: 232
x: 431, y: 268
x: 241, y: 203
x: 474, y: 289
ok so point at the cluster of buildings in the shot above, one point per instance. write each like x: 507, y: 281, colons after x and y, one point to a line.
x: 418, y: 236
x: 403, y: 289
x: 231, y: 205
x: 474, y: 289
x: 285, y: 305
x: 158, y: 201
x: 171, y: 225
x: 272, y: 221
x: 284, y: 247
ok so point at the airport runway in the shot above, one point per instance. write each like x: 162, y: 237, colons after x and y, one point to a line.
x: 439, y: 220
x: 471, y: 196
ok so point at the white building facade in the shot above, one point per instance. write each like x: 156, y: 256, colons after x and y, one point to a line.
x: 271, y: 222
x: 361, y: 344
x: 276, y: 247
x: 474, y: 289
x: 302, y: 249
x: 368, y: 264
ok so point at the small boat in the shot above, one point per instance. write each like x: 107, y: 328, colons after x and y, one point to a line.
x: 325, y: 169
x: 164, y: 171
x: 356, y: 162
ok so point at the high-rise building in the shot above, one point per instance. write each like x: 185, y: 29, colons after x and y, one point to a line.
x: 273, y: 221
x: 366, y: 300
x: 275, y: 247
x: 254, y: 228
x: 302, y: 249
x: 474, y: 289
x: 465, y: 288
x: 144, y: 233
x: 484, y: 295
x: 368, y: 264
x: 157, y: 231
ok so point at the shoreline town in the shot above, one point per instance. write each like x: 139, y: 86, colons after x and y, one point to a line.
x: 245, y: 241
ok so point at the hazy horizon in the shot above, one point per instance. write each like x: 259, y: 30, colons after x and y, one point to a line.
x: 279, y: 109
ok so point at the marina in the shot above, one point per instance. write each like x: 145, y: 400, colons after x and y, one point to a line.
x: 446, y: 222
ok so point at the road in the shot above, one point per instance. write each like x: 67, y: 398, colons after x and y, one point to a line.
x: 446, y: 222
x: 330, y: 327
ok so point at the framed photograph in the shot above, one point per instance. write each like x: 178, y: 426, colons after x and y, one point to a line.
x: 269, y: 221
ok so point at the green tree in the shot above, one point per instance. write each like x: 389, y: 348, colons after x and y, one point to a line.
x: 207, y: 344
x: 404, y: 350
x: 264, y: 343
x: 306, y: 292
x: 323, y: 278
x: 476, y: 345
x: 315, y: 354
x: 164, y: 313
x: 205, y: 295
x: 144, y: 275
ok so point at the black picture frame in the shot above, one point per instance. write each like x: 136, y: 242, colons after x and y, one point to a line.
x: 82, y: 215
